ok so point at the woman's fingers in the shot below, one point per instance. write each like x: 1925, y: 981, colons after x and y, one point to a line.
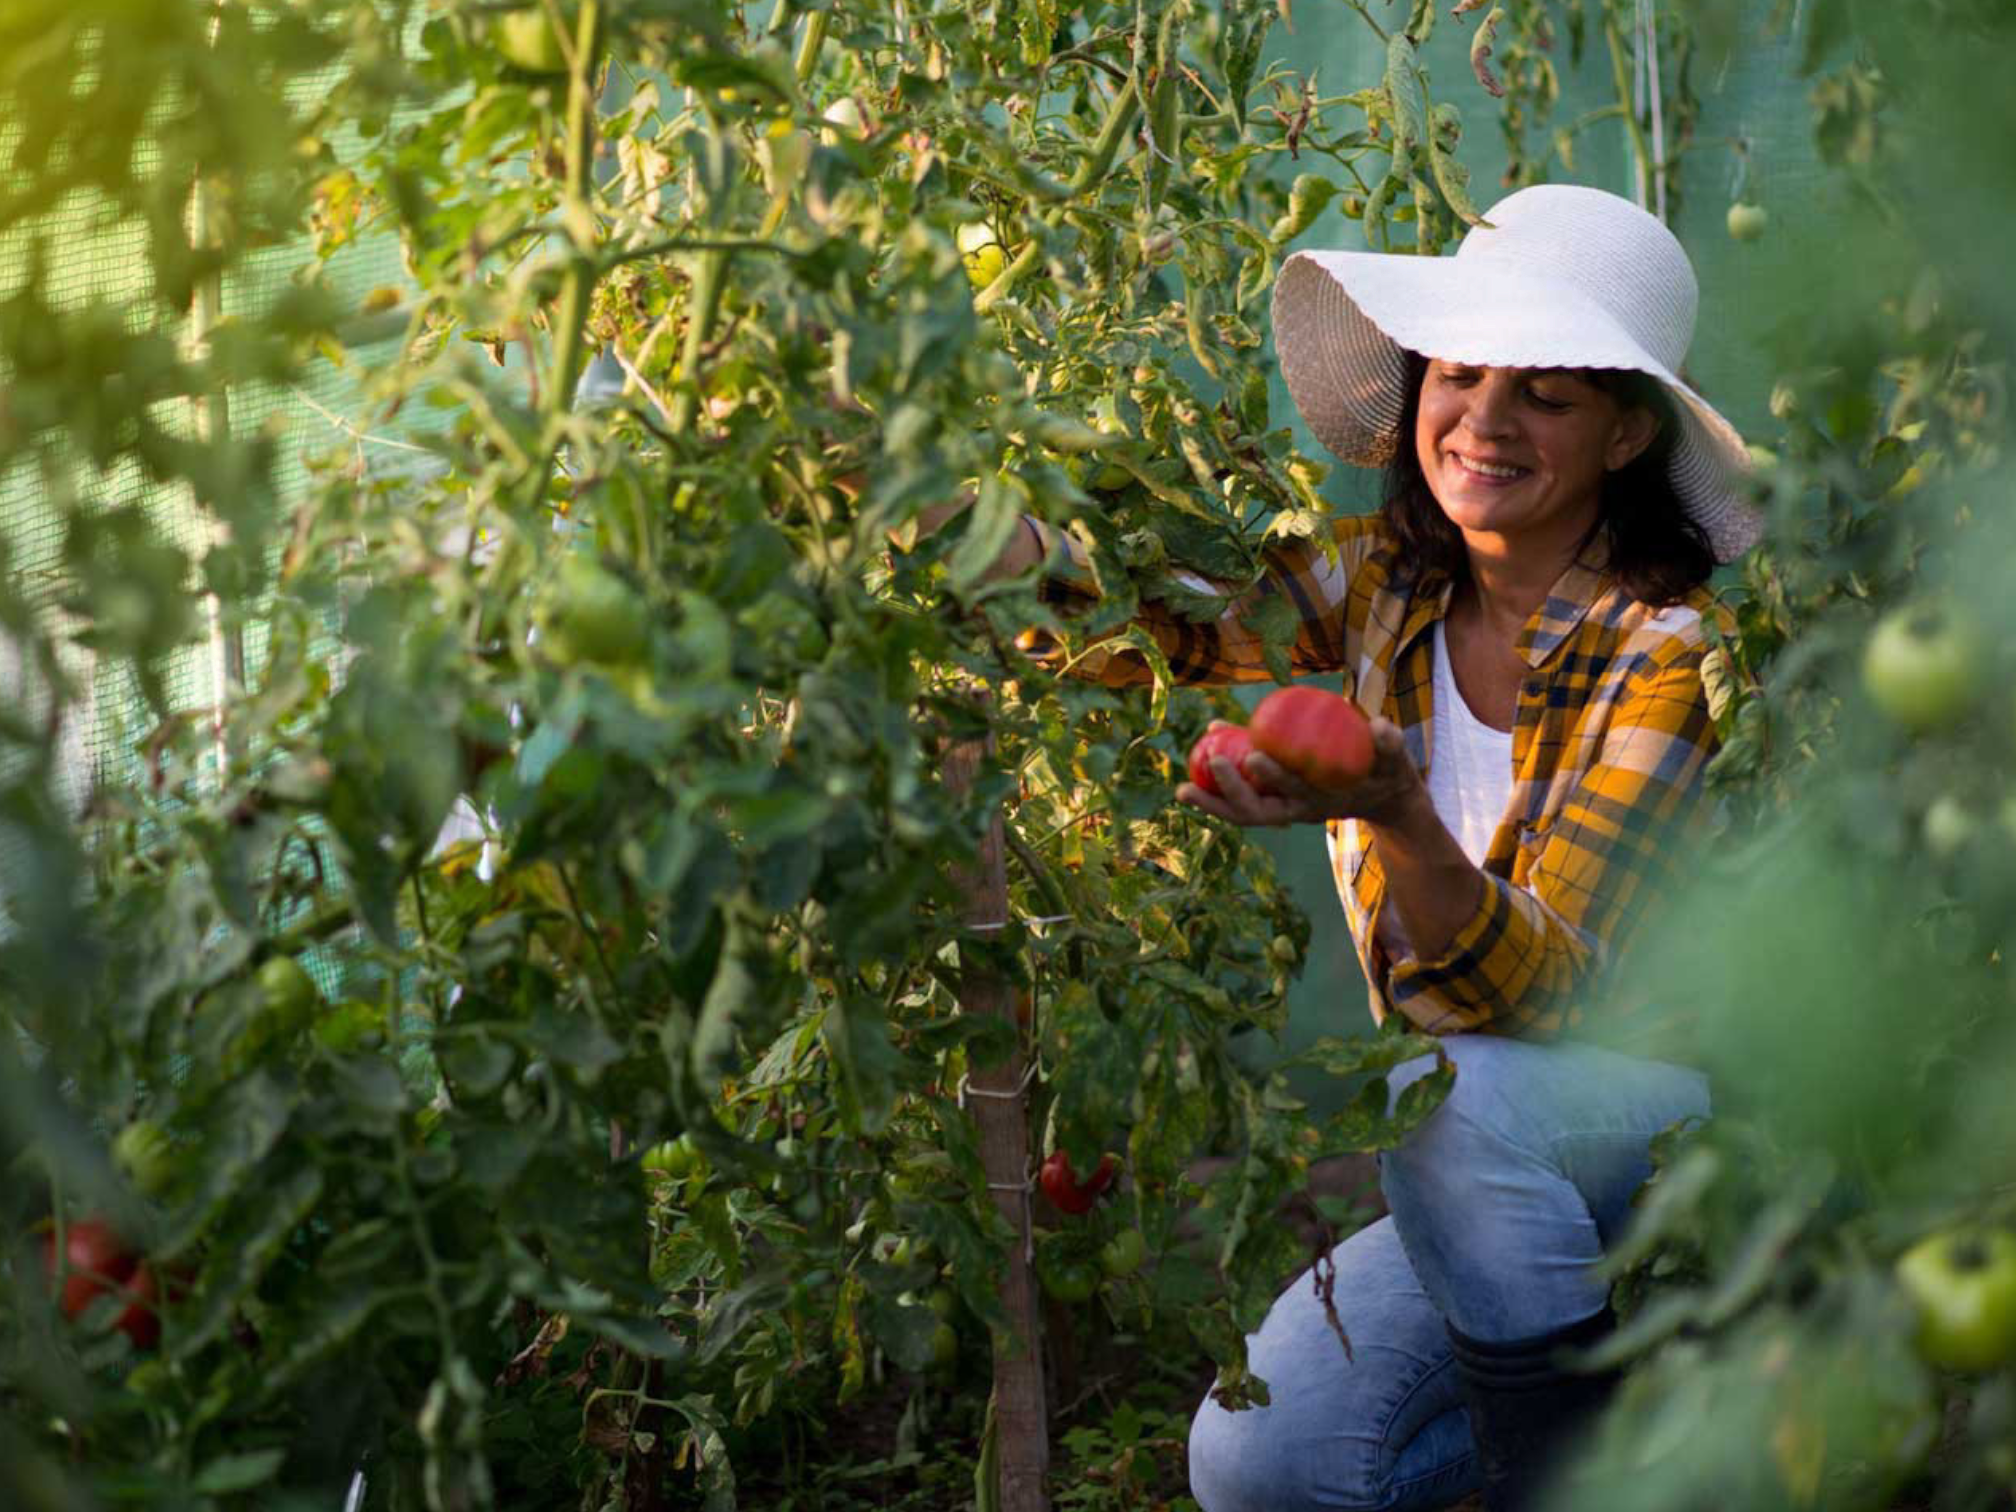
x: 1254, y: 802
x: 1387, y: 741
x: 1210, y: 803
x: 1266, y: 776
x: 1235, y: 801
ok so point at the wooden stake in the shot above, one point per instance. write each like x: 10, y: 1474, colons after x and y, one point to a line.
x: 996, y: 1099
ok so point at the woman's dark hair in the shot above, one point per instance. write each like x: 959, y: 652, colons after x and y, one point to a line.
x: 1658, y: 551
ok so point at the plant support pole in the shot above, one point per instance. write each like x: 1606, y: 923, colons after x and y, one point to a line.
x: 1000, y: 1113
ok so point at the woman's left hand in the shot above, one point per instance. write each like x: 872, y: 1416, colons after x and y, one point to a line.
x: 1275, y: 796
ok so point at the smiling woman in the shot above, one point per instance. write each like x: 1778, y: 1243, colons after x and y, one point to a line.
x: 1657, y: 549
x: 1524, y: 621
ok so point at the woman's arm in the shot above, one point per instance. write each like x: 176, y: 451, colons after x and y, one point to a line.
x: 1516, y: 956
x: 1310, y: 579
x: 1025, y: 548
x: 1431, y: 886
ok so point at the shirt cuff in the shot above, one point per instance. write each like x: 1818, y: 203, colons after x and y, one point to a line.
x: 1067, y: 575
x: 1461, y: 976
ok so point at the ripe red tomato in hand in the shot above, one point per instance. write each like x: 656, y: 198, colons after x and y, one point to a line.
x: 1232, y: 743
x: 1061, y: 1184
x: 1318, y: 736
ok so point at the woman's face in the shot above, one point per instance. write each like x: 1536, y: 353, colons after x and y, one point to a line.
x: 1518, y: 455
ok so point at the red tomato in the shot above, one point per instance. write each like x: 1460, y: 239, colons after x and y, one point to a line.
x: 140, y: 1322
x: 1318, y: 736
x: 1231, y: 742
x: 1061, y: 1184
x: 96, y: 1258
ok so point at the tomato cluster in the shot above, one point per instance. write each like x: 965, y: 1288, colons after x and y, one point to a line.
x: 98, y: 1263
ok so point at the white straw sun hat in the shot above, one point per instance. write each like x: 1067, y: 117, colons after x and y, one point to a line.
x: 1560, y: 277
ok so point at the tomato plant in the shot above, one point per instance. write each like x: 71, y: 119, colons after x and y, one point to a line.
x: 563, y: 778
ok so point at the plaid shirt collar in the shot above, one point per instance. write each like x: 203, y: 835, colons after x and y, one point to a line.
x: 1581, y: 585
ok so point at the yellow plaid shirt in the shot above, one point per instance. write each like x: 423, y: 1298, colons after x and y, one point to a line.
x: 1609, y: 743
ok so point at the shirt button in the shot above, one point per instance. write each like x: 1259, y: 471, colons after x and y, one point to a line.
x: 1533, y: 687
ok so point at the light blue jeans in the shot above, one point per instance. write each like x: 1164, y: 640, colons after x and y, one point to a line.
x: 1501, y: 1202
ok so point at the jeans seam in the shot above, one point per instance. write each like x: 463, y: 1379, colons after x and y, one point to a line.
x: 1395, y: 1486
x: 1400, y: 1488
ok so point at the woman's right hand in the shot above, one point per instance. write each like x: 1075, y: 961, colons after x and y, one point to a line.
x: 1268, y: 794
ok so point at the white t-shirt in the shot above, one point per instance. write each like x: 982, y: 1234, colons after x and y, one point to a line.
x: 1469, y: 782
x: 1470, y: 767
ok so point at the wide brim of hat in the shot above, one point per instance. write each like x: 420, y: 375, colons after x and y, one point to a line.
x: 1344, y: 321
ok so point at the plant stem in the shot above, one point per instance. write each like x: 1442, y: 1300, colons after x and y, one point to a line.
x: 809, y: 45
x: 1620, y: 69
x: 1120, y: 113
x: 703, y: 306
x: 577, y: 286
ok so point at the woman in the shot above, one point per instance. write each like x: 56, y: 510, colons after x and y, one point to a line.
x: 1524, y: 620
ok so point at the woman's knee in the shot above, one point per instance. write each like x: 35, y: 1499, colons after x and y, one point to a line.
x: 1238, y: 1464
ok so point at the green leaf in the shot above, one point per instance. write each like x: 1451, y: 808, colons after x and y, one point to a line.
x: 991, y: 522
x: 904, y: 1332
x: 857, y: 1037
x: 238, y: 1472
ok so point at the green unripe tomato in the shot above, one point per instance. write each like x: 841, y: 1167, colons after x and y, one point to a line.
x: 145, y: 1156
x: 1065, y: 1274
x: 1924, y: 665
x: 289, y: 994
x: 944, y: 1302
x: 1123, y: 1253
x: 589, y: 614
x: 674, y: 1159
x: 944, y: 1345
x: 1963, y: 1285
x: 1949, y: 825
x: 1747, y: 222
x: 527, y: 40
x: 982, y: 252
x: 150, y: 1378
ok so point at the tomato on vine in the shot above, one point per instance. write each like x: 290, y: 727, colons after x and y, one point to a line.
x: 98, y: 1263
x: 589, y: 614
x: 288, y: 995
x: 674, y: 1159
x: 1123, y: 1253
x: 527, y: 40
x: 145, y: 1156
x: 1963, y: 1285
x: 1070, y: 1195
x: 1066, y: 1274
